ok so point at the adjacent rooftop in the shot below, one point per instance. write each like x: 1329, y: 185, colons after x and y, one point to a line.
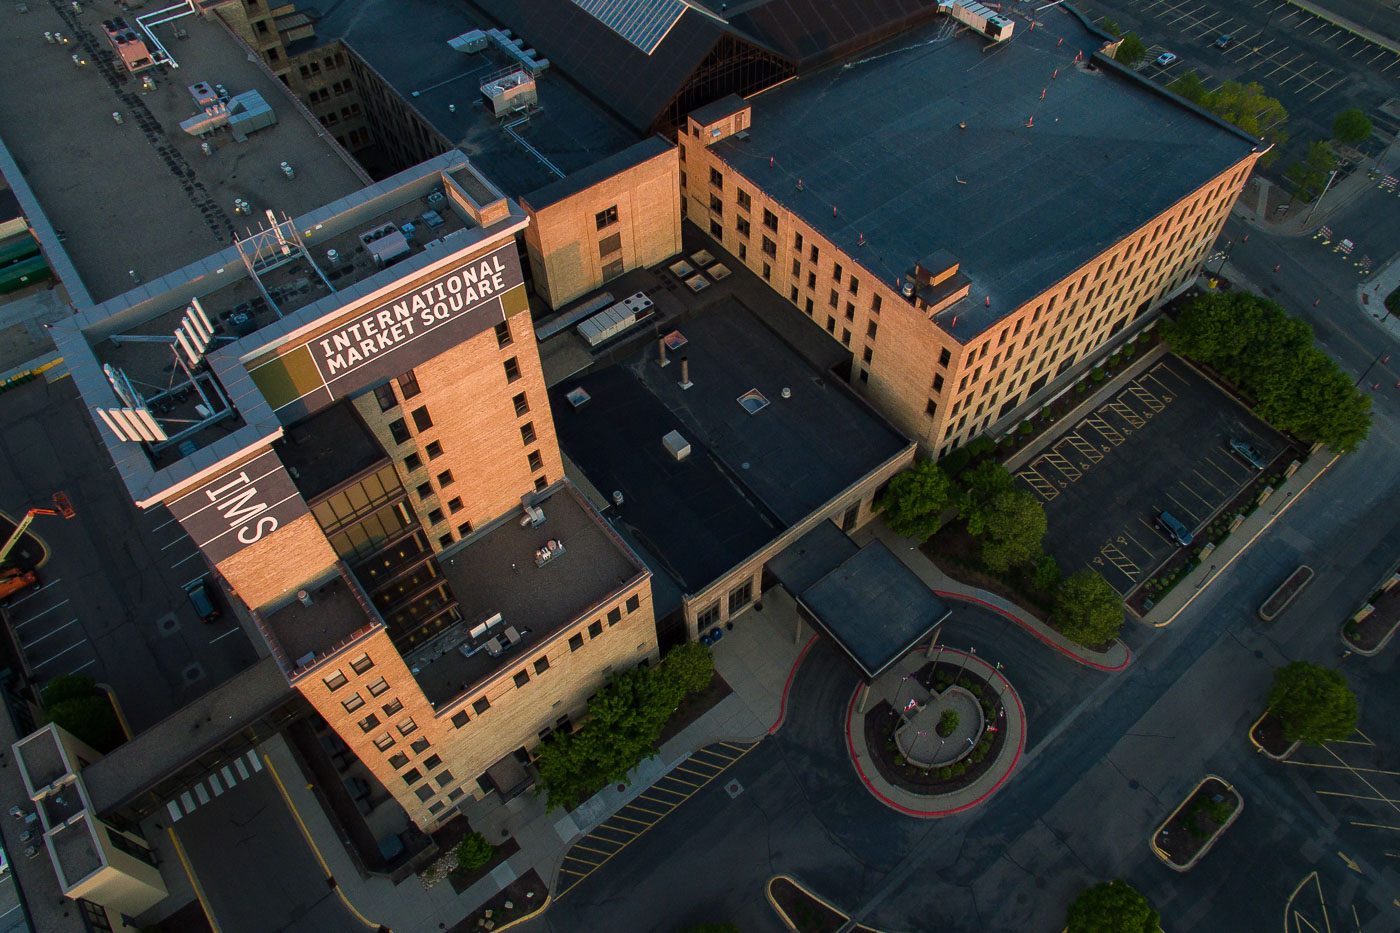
x: 405, y: 42
x: 131, y: 194
x: 512, y: 601
x: 771, y: 440
x: 310, y: 625
x: 938, y: 141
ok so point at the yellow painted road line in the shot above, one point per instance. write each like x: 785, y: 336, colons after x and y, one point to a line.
x: 683, y: 781
x: 309, y: 841
x: 194, y: 881
x: 1392, y: 803
x: 619, y: 816
x: 1357, y: 771
x: 1152, y: 528
x: 1183, y: 508
x: 691, y: 771
x: 1209, y: 504
x: 666, y: 790
x: 1338, y: 793
x: 1374, y: 825
x: 579, y: 845
x: 1124, y: 538
x: 741, y: 749
x: 633, y: 806
x: 1108, y: 432
x: 1208, y: 482
x: 618, y: 829
x: 668, y: 804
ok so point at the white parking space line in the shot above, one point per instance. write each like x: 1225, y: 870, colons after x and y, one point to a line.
x: 224, y: 635
x: 33, y: 593
x: 82, y: 667
x: 175, y: 542
x: 49, y: 634
x: 164, y: 525
x: 60, y: 654
x: 21, y: 625
x: 183, y: 559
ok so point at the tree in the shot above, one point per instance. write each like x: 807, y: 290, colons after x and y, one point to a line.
x: 1047, y: 573
x: 1311, y: 174
x: 77, y: 705
x: 687, y: 669
x: 1087, y: 609
x: 1130, y: 50
x: 1111, y: 907
x: 1110, y: 27
x: 980, y: 487
x: 947, y: 723
x: 1253, y: 343
x: 915, y: 499
x: 474, y: 851
x: 1313, y: 703
x: 1351, y: 127
x: 1014, y: 523
x: 1244, y: 105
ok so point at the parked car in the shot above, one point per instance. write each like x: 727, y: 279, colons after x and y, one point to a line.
x: 1249, y: 453
x: 1174, y: 529
x: 1225, y: 41
x: 1166, y: 58
x: 204, y: 599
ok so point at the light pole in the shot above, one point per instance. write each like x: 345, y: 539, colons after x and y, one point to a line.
x: 1330, y: 178
x: 1224, y: 256
x: 1381, y: 357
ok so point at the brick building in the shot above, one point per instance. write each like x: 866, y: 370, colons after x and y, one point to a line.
x: 974, y: 228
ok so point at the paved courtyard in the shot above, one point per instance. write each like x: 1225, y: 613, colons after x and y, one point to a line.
x: 1161, y: 443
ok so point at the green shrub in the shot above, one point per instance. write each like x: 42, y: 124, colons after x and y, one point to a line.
x: 959, y: 769
x: 474, y: 851
x: 947, y: 723
x: 1080, y: 387
x: 944, y: 773
x: 1097, y: 374
x: 1027, y: 428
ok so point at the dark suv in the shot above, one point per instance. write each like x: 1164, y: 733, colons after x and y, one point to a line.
x: 204, y: 599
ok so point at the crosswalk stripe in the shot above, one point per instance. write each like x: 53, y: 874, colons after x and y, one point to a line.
x: 214, y: 785
x: 254, y: 760
x: 187, y: 802
x: 174, y: 809
x: 229, y: 780
x: 242, y: 769
x: 201, y: 793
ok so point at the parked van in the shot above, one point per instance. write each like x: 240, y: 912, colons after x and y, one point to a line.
x: 203, y: 600
x: 1174, y: 529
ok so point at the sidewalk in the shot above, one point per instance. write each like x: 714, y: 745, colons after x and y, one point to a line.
x: 756, y: 658
x: 1258, y: 203
x: 1114, y: 659
x: 1254, y: 525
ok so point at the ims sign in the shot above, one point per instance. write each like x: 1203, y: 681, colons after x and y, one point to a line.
x: 240, y: 507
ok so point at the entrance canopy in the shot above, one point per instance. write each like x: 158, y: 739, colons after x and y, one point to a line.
x: 863, y: 598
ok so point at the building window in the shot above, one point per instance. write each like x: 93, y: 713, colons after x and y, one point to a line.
x: 850, y: 311
x: 445, y: 478
x: 833, y: 299
x: 460, y: 719
x: 540, y: 483
x: 740, y: 596
x: 716, y: 205
x: 770, y: 220
x: 435, y: 517
x: 742, y: 225
x: 481, y: 705
x: 464, y: 529
x: 792, y: 294
x: 398, y: 429
x: 815, y: 254
x: 336, y: 681
x: 745, y: 201
x: 845, y: 337
x: 716, y: 230
x: 527, y: 432
x: 353, y: 702
x: 614, y: 615
x: 938, y: 382
x: 408, y: 385
x: 512, y: 367
x: 868, y: 356
x: 575, y: 642
x: 384, y: 742
x: 412, y: 462
x: 610, y: 244
x: 424, y: 490
x: 455, y: 505
x: 944, y: 357
x: 369, y: 722
x: 384, y: 395
x: 633, y: 603
x: 770, y: 249
x: 407, y: 727
x: 522, y: 404
x: 378, y: 687
x: 521, y: 678
x: 708, y: 616
x: 503, y: 338
x: 398, y: 760
x: 434, y: 450
x: 419, y: 746
x: 870, y: 330
x: 361, y: 664
x: 854, y: 285
x: 535, y: 460
x: 595, y: 628
x: 767, y: 272
x: 424, y: 793
x: 541, y: 664
x: 436, y: 807
x: 421, y: 419
x: 874, y: 304
x: 836, y: 272
x: 931, y: 409
x: 442, y: 780
x: 716, y: 179
x: 606, y: 218
x: 393, y: 706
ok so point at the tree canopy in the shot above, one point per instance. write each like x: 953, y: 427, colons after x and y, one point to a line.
x: 1244, y: 105
x: 1013, y: 525
x: 1111, y: 907
x: 1253, y: 343
x: 1313, y: 703
x: 1131, y: 50
x: 77, y: 705
x: 980, y: 487
x: 1087, y: 609
x: 1310, y: 176
x: 916, y: 498
x: 1351, y: 127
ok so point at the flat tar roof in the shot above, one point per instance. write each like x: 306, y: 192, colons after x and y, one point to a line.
x: 141, y: 196
x: 879, y: 139
x: 749, y: 476
x: 497, y: 572
x: 405, y: 41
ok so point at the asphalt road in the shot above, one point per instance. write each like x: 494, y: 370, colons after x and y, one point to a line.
x: 1109, y: 755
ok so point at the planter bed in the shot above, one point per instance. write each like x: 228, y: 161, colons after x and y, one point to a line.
x: 1267, y: 733
x: 1371, y: 632
x: 525, y: 895
x: 461, y: 880
x: 882, y: 719
x: 801, y: 910
x: 1193, y: 827
x: 955, y: 552
x: 1288, y: 590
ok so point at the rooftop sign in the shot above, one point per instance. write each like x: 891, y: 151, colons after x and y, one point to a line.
x: 240, y: 507
x: 369, y: 346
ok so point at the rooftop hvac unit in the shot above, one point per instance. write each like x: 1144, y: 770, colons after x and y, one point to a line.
x: 511, y: 93
x: 474, y: 41
x: 676, y: 445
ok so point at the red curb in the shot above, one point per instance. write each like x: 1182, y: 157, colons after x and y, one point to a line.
x: 851, y: 750
x: 782, y: 705
x: 1053, y: 644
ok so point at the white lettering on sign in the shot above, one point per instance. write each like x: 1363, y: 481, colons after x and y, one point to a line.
x: 237, y: 501
x: 434, y: 304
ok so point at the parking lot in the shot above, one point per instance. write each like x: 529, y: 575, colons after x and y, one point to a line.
x: 1161, y: 443
x: 111, y: 605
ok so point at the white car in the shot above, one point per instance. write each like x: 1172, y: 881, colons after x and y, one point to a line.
x: 1166, y: 58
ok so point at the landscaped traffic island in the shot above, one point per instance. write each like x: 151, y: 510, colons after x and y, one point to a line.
x: 1186, y: 836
